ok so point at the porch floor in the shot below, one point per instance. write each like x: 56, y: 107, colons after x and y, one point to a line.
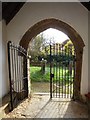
x: 40, y: 106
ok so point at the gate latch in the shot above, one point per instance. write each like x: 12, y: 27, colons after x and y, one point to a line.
x: 52, y: 75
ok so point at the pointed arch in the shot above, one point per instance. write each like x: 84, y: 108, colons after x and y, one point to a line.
x: 71, y: 33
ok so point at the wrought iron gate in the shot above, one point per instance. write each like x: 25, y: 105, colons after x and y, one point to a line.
x: 62, y: 70
x: 17, y: 61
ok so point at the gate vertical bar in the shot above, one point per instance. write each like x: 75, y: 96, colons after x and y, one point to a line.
x: 68, y: 71
x: 62, y: 71
x: 69, y: 75
x: 25, y: 76
x: 9, y: 66
x: 15, y: 83
x: 53, y: 71
x: 71, y: 72
x: 74, y: 67
x: 12, y: 66
x: 50, y: 71
x: 56, y: 70
x: 20, y: 73
x: 17, y: 68
x: 65, y: 73
x: 59, y: 70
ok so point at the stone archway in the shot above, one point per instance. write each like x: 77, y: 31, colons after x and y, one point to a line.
x: 71, y: 33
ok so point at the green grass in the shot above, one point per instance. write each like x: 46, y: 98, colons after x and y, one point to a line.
x: 37, y: 76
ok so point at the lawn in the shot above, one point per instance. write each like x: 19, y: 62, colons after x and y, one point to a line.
x: 37, y: 76
x: 59, y: 74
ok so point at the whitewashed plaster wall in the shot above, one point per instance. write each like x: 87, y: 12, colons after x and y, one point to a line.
x: 73, y: 14
x: 0, y: 59
x: 5, y: 79
x: 0, y: 52
x: 89, y: 52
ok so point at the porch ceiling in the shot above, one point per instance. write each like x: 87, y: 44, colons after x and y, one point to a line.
x: 9, y: 9
x: 86, y: 4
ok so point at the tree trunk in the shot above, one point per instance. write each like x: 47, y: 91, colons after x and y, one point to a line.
x: 43, y: 67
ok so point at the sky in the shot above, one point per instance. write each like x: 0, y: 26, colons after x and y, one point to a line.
x: 55, y: 35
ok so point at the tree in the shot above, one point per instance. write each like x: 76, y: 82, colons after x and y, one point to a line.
x: 37, y: 50
x: 36, y: 47
x: 69, y: 48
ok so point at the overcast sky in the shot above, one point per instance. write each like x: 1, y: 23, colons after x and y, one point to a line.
x: 55, y: 35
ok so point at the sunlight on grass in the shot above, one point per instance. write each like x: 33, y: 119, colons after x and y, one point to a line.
x: 37, y: 76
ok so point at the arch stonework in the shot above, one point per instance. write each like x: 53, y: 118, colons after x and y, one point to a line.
x: 71, y: 33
